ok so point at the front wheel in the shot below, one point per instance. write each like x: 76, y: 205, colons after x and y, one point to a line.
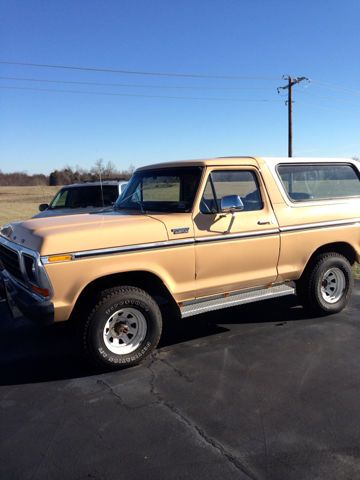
x: 123, y: 328
x: 326, y: 287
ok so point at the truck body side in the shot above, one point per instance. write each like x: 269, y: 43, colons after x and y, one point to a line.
x: 203, y: 256
x: 219, y: 262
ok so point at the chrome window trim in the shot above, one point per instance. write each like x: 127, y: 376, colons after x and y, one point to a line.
x: 252, y: 169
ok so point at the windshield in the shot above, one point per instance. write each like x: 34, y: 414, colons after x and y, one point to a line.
x: 162, y: 190
x: 89, y: 196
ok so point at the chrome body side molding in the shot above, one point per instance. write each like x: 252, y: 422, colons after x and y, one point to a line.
x: 208, y: 239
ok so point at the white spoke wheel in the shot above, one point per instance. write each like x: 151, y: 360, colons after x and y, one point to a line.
x: 123, y: 328
x: 333, y: 285
x: 326, y: 284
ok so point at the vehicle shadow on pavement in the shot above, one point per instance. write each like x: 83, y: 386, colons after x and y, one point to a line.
x: 278, y: 310
x: 31, y: 354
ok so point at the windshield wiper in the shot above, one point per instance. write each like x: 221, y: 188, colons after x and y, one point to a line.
x: 139, y: 202
x: 124, y: 207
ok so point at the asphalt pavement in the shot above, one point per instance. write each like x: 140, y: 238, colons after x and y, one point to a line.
x: 262, y: 391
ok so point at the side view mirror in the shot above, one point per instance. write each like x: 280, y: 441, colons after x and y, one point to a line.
x: 231, y: 204
x: 43, y: 206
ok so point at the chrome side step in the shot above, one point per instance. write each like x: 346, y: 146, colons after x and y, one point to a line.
x: 196, y: 307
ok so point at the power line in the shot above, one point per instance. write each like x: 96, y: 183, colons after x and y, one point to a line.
x: 130, y: 85
x: 323, y: 107
x: 136, y: 72
x: 173, y: 87
x: 329, y: 108
x: 333, y: 86
x: 325, y: 97
x: 83, y: 92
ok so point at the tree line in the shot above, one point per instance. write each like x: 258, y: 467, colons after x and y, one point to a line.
x: 67, y: 175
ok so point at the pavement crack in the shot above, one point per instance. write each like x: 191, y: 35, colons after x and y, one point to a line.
x: 112, y: 391
x: 119, y: 398
x: 176, y: 370
x: 199, y: 432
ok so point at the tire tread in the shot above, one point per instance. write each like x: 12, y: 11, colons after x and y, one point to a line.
x: 103, y: 297
x: 307, y: 285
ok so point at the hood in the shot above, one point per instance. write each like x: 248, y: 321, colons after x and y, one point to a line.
x: 77, y: 233
x: 56, y: 212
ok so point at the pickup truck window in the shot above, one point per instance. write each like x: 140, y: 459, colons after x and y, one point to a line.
x: 162, y: 190
x: 318, y: 182
x: 85, y: 196
x: 60, y: 199
x: 221, y: 183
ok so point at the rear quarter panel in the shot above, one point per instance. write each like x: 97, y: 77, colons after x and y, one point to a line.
x: 306, y: 226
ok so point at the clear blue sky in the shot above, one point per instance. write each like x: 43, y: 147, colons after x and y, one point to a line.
x: 42, y: 130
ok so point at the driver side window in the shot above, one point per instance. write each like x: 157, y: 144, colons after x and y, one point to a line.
x: 231, y: 182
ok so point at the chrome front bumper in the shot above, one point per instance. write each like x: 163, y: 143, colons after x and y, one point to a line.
x: 19, y: 299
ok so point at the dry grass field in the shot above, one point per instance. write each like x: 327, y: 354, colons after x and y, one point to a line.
x: 21, y: 203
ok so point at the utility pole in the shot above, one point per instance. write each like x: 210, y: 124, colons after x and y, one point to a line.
x: 291, y: 82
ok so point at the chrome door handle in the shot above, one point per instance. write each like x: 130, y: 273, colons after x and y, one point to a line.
x: 263, y: 222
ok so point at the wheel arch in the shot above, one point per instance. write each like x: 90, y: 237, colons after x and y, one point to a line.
x: 343, y: 248
x: 327, y: 282
x: 143, y: 279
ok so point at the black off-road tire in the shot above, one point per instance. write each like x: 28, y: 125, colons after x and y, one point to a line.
x: 117, y: 309
x: 326, y: 285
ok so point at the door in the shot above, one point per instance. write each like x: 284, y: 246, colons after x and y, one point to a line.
x: 238, y: 249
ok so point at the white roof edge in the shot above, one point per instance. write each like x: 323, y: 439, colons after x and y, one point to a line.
x: 277, y: 160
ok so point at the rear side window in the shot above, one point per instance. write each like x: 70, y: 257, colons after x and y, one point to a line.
x: 319, y: 182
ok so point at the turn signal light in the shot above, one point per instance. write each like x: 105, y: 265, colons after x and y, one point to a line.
x: 41, y: 291
x: 59, y: 258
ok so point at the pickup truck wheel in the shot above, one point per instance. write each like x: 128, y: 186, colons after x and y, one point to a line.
x: 123, y: 328
x: 327, y: 287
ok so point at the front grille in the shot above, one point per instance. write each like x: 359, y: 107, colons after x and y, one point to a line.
x: 10, y: 261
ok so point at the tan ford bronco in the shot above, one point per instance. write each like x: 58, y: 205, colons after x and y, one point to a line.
x: 185, y: 238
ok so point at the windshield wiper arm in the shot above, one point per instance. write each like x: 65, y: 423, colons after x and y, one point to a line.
x: 139, y: 202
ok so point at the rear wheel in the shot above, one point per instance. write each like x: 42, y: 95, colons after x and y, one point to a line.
x: 327, y: 285
x: 123, y: 328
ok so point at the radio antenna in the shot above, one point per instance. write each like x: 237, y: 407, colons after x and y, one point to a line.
x: 101, y: 188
